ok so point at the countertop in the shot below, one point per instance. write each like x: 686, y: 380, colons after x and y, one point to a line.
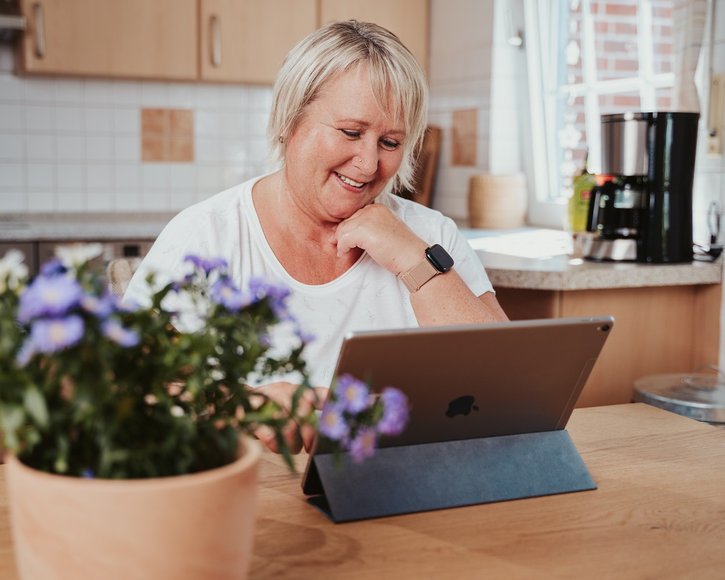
x: 658, y: 512
x: 526, y: 258
x: 82, y: 226
x: 540, y: 259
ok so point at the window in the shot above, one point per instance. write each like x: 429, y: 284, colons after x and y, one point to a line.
x: 589, y: 58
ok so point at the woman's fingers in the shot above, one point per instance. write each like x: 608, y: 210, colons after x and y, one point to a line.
x: 387, y: 240
x: 290, y: 433
x: 295, y: 437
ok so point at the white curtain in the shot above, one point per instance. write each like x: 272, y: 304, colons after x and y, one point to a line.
x: 689, y: 18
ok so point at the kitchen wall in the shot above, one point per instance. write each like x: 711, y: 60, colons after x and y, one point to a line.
x: 73, y: 145
x: 474, y: 66
x: 710, y: 170
x: 475, y: 75
x: 76, y: 145
x: 69, y: 145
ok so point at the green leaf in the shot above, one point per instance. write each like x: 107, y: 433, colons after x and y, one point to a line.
x: 35, y: 404
x: 10, y: 420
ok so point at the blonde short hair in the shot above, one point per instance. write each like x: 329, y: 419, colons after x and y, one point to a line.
x: 396, y: 79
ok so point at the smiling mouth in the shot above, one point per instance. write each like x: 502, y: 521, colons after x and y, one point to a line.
x: 349, y: 181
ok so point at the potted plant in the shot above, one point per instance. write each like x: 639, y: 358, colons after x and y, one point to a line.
x: 123, y: 433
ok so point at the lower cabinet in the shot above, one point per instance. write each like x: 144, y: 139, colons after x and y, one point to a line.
x: 660, y: 329
x: 38, y: 252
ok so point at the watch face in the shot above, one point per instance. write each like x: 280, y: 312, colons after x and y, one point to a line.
x: 440, y: 259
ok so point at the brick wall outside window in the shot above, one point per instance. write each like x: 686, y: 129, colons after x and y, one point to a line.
x: 617, y: 56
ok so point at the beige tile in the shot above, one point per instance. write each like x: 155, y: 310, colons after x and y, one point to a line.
x: 153, y: 147
x: 154, y: 121
x: 464, y: 137
x: 181, y: 149
x: 182, y: 122
x: 167, y: 135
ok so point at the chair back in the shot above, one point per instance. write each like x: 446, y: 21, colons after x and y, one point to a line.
x: 119, y: 272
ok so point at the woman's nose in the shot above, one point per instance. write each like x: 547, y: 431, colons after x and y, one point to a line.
x: 366, y: 159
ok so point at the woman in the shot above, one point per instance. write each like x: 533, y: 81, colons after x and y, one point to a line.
x: 348, y: 116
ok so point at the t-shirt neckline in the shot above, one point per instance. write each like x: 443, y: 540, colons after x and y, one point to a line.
x: 261, y: 239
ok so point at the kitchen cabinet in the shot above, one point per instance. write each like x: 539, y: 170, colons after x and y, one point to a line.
x: 242, y: 41
x: 135, y: 38
x: 38, y: 252
x: 662, y: 329
x: 406, y: 18
x: 246, y: 41
x: 667, y: 317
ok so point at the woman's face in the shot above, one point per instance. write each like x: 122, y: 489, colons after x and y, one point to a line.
x: 344, y: 150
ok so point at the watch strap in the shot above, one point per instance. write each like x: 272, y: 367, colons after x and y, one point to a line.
x: 417, y: 276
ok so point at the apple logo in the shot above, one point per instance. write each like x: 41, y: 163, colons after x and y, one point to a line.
x: 461, y: 406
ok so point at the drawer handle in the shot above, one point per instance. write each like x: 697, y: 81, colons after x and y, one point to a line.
x: 216, y: 41
x: 39, y: 17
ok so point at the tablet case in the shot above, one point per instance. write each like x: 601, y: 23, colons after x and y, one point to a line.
x: 413, y: 478
x: 525, y: 377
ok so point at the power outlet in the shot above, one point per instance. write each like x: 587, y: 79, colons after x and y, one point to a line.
x: 715, y: 127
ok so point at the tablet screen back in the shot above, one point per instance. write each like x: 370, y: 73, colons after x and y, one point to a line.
x: 480, y: 380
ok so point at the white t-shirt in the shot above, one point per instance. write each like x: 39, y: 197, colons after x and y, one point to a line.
x: 366, y: 297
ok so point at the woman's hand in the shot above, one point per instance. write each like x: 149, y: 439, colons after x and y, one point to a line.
x: 387, y: 240
x: 295, y: 436
x: 444, y: 299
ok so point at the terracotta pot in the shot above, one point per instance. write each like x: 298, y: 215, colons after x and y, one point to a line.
x: 188, y: 526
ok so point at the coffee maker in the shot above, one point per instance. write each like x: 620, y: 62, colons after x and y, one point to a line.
x: 643, y: 211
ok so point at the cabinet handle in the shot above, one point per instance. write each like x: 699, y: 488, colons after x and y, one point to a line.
x: 216, y: 41
x: 39, y: 17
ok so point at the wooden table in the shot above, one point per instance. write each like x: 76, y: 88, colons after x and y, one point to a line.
x: 659, y: 513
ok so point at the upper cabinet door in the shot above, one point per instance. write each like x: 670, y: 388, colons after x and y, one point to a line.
x: 406, y: 18
x: 129, y: 38
x: 246, y: 41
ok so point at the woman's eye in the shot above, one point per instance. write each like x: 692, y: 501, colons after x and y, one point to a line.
x: 350, y: 133
x: 389, y: 144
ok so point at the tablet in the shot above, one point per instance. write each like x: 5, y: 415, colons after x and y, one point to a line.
x: 471, y: 381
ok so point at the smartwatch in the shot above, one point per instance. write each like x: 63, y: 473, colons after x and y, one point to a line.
x: 437, y: 261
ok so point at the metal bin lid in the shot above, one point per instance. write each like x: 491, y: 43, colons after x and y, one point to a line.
x: 694, y: 395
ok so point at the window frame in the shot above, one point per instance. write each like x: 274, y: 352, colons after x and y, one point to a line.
x: 543, y: 20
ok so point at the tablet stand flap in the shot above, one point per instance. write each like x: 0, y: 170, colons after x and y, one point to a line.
x: 446, y: 474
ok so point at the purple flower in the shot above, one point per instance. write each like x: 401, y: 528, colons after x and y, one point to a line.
x: 121, y: 305
x: 277, y: 296
x: 118, y: 334
x: 88, y: 473
x: 99, y: 307
x: 52, y: 267
x: 207, y: 266
x: 305, y: 337
x: 395, y: 412
x: 260, y: 288
x: 332, y: 423
x: 49, y: 296
x: 352, y: 394
x: 363, y: 445
x: 224, y: 292
x: 53, y: 334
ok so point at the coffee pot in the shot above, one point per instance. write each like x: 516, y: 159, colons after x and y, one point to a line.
x: 643, y: 211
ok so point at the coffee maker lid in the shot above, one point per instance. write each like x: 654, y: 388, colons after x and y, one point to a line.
x: 645, y: 116
x: 628, y: 116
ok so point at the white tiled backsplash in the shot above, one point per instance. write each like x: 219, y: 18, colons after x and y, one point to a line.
x: 70, y: 145
x: 75, y: 145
